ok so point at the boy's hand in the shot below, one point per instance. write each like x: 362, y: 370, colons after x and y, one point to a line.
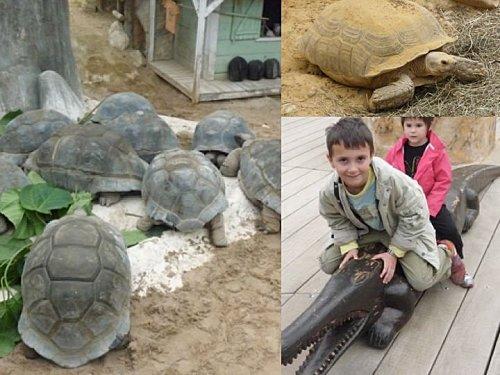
x: 390, y: 262
x: 352, y: 254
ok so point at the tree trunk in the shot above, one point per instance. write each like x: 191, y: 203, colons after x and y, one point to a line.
x: 34, y: 37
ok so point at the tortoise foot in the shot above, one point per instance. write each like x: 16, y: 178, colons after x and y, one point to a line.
x: 29, y: 353
x: 108, y: 199
x: 270, y: 221
x: 145, y: 223
x: 393, y: 95
x: 218, y: 231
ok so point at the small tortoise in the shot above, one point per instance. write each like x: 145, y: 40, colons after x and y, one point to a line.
x: 117, y: 104
x: 148, y: 134
x: 89, y: 158
x: 388, y: 46
x: 184, y: 190
x: 219, y: 133
x: 28, y: 131
x: 258, y: 162
x: 76, y: 291
x: 11, y: 176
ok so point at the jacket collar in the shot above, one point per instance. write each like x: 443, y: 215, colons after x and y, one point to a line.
x: 434, y: 142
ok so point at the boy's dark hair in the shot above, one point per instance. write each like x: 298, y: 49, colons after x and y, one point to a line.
x: 351, y: 132
x: 427, y: 120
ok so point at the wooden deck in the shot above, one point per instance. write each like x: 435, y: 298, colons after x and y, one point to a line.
x: 182, y: 79
x: 453, y: 330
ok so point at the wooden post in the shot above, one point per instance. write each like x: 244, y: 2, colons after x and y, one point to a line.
x: 198, y: 55
x: 152, y: 27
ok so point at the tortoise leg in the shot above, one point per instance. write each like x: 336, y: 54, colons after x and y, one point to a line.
x: 392, y: 95
x: 400, y: 301
x: 467, y: 70
x: 314, y: 70
x: 108, y: 199
x: 220, y: 160
x: 231, y: 165
x: 270, y: 221
x: 218, y: 231
x: 3, y: 224
x: 472, y: 208
x: 145, y: 223
x: 212, y: 156
x: 121, y: 342
x: 28, y: 353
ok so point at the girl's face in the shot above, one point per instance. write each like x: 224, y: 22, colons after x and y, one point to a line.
x: 415, y: 130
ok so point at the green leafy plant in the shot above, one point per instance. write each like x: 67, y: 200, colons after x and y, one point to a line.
x: 133, y: 237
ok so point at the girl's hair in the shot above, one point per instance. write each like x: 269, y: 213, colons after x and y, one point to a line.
x: 427, y: 120
x: 351, y: 132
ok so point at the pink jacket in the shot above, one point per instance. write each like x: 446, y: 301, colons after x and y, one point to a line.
x: 433, y: 171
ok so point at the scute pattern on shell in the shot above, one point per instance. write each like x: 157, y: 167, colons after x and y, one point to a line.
x: 89, y: 158
x: 147, y: 133
x: 11, y: 176
x: 28, y: 131
x: 354, y: 41
x: 117, y: 104
x: 217, y: 132
x: 183, y: 189
x: 76, y: 287
x: 260, y: 172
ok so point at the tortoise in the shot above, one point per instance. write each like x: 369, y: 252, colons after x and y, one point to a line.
x: 28, y: 131
x: 89, y: 158
x: 146, y: 131
x: 76, y: 286
x: 219, y: 133
x: 390, y: 46
x: 183, y: 189
x: 11, y: 176
x: 257, y: 164
x: 117, y: 104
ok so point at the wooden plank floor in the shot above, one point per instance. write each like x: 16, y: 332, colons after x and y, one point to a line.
x: 182, y: 78
x: 453, y: 330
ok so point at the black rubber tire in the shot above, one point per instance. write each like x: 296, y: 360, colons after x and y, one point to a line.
x: 255, y: 70
x: 237, y: 69
x: 271, y: 68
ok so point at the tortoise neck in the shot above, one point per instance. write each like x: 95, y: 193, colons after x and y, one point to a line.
x: 418, y: 67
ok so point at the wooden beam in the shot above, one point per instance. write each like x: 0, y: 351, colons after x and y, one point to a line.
x: 198, y: 56
x: 212, y: 6
x: 196, y: 5
x: 152, y: 17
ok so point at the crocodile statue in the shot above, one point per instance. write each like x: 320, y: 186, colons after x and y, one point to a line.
x: 355, y: 302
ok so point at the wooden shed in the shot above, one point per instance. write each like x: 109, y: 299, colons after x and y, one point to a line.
x: 194, y: 40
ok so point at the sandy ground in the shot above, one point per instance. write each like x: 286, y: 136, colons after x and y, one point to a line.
x: 305, y: 94
x: 226, y: 317
x: 105, y: 70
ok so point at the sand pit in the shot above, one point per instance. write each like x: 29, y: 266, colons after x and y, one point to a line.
x: 478, y: 37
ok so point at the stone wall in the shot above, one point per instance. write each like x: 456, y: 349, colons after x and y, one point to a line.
x: 468, y: 139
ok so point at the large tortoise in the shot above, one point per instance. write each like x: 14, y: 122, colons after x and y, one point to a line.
x: 117, y: 104
x: 259, y: 166
x: 89, y: 158
x: 28, y: 131
x: 11, y: 176
x: 219, y: 133
x: 148, y: 134
x: 183, y: 189
x: 76, y: 291
x: 389, y: 46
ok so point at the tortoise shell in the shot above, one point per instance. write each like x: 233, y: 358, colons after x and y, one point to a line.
x: 76, y: 291
x: 89, y: 158
x: 28, y: 131
x: 117, y: 104
x: 183, y: 189
x: 260, y: 173
x: 354, y: 41
x: 218, y: 132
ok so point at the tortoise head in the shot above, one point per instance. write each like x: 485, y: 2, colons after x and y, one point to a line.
x: 439, y: 63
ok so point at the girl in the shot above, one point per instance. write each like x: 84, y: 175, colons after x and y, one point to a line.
x: 422, y: 156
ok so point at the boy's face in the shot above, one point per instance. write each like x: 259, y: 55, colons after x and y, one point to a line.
x: 352, y: 165
x: 415, y: 130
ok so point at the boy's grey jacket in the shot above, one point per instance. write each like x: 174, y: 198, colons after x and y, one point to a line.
x: 402, y: 207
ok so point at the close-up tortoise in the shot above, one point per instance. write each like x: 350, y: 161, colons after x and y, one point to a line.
x: 184, y: 190
x: 76, y: 288
x: 258, y: 166
x: 219, y: 133
x: 89, y: 158
x: 390, y: 46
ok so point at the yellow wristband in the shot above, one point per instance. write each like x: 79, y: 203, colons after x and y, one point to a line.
x: 396, y: 251
x: 348, y: 247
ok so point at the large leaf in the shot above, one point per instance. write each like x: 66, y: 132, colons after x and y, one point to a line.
x: 44, y: 198
x: 35, y: 178
x: 10, y: 206
x: 133, y: 237
x: 9, y: 247
x: 81, y: 200
x: 10, y: 310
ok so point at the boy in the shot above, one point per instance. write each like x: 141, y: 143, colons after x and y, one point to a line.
x: 369, y: 201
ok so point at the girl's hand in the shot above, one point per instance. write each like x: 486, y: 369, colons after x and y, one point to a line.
x: 352, y: 254
x: 390, y: 262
